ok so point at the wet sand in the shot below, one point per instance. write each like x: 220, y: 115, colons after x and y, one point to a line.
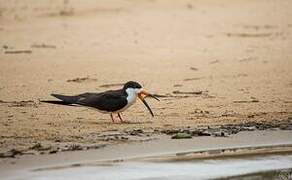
x: 213, y: 63
x: 164, y: 150
x: 268, y: 167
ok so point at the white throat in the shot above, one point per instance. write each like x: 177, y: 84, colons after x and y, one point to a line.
x: 132, y: 95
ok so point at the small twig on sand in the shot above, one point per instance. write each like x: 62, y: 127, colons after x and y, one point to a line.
x: 18, y: 52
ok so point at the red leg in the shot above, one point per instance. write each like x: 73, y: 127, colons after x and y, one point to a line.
x: 120, y: 117
x: 112, y: 118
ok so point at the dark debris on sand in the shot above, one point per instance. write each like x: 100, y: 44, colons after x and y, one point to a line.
x: 101, y: 139
x: 18, y: 52
x: 43, y: 46
x: 27, y: 103
x: 83, y: 79
x: 111, y: 85
x: 226, y: 130
x: 185, y: 94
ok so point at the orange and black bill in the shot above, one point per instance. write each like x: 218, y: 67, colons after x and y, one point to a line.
x: 142, y: 95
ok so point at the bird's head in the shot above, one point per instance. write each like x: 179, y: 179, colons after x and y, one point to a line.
x: 133, y: 87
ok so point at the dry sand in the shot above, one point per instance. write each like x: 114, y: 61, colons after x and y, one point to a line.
x: 235, y: 54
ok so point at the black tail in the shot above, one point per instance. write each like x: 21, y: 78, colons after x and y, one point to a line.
x: 65, y: 100
x: 58, y: 102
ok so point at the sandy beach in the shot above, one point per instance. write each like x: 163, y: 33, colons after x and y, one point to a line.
x: 219, y: 68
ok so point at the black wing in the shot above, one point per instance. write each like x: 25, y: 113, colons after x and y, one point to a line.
x: 106, y: 101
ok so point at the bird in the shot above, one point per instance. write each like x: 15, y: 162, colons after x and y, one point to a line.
x: 111, y: 101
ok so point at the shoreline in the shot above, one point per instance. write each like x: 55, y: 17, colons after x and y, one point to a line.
x: 112, y: 137
x: 162, y: 146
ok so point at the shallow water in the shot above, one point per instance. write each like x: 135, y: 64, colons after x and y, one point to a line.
x: 255, y: 167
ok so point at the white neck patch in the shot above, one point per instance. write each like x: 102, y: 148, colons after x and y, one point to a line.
x: 132, y: 95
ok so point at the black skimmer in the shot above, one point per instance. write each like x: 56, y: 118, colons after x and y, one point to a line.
x: 112, y: 101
